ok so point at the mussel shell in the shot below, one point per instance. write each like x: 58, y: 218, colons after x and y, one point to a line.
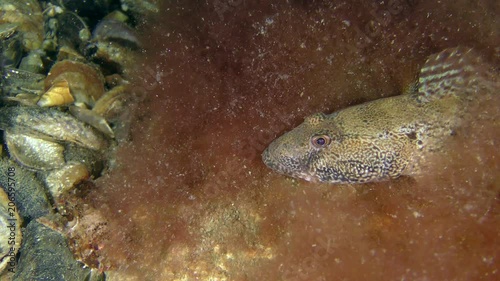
x: 27, y: 14
x: 50, y: 124
x: 11, y: 51
x: 17, y: 81
x: 116, y: 31
x: 34, y: 153
x: 141, y: 8
x: 113, y: 102
x: 32, y: 63
x: 93, y: 119
x: 69, y: 53
x: 59, y: 94
x: 112, y: 56
x: 114, y: 46
x: 7, y: 30
x: 85, y: 82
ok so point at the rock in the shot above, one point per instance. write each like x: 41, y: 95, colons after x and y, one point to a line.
x: 31, y: 198
x: 45, y: 256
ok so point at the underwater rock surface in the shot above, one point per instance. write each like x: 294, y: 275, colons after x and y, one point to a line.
x: 45, y: 255
x: 31, y: 198
x: 189, y: 198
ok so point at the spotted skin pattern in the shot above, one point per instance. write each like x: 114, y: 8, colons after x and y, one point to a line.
x: 381, y: 139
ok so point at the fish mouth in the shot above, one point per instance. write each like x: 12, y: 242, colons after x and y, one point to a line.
x: 299, y: 172
x: 306, y: 176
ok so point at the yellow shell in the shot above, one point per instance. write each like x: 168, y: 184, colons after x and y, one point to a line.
x: 85, y: 81
x: 57, y: 95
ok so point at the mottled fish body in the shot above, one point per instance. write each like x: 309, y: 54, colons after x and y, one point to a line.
x: 384, y: 138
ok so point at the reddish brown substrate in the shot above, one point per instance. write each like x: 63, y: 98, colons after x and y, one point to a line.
x: 190, y: 197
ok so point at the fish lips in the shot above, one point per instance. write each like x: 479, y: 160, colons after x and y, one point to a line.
x: 288, y: 166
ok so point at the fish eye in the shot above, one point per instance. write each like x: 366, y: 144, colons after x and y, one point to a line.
x: 320, y: 141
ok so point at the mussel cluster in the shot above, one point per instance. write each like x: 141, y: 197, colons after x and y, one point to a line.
x: 64, y: 98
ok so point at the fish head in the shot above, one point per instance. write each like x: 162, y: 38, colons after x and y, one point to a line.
x: 298, y: 153
x: 322, y: 150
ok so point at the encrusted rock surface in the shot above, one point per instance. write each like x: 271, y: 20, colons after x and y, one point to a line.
x: 45, y: 256
x: 189, y: 197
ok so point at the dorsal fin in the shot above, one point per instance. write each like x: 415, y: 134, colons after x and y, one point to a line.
x: 451, y: 72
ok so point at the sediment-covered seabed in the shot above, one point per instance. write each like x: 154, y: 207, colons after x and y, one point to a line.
x: 187, y: 197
